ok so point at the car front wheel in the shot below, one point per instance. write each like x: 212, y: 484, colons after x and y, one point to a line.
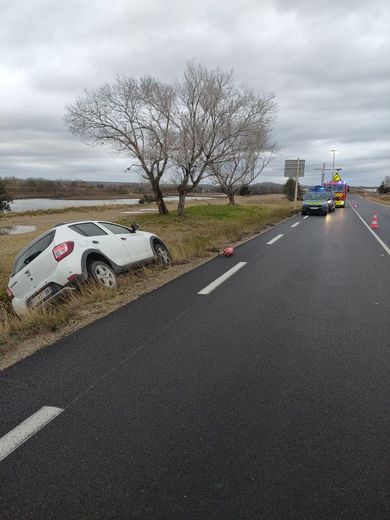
x: 163, y: 256
x: 103, y: 274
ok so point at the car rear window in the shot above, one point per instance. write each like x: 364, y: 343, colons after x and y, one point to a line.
x: 33, y: 252
x: 88, y: 229
x: 315, y: 195
x: 115, y: 228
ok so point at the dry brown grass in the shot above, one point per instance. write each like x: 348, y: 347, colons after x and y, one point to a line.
x: 383, y: 199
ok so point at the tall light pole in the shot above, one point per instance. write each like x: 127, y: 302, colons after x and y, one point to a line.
x: 334, y: 152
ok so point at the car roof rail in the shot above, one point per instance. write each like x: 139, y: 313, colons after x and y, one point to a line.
x: 72, y: 222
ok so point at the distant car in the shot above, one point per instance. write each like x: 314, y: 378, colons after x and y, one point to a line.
x: 76, y: 251
x: 318, y: 200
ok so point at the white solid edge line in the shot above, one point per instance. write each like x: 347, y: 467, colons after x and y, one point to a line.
x: 274, y: 240
x: 296, y: 224
x: 216, y: 283
x: 385, y: 247
x: 26, y: 429
x: 306, y: 216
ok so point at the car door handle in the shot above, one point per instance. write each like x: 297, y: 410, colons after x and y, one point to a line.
x: 123, y: 238
x: 95, y: 241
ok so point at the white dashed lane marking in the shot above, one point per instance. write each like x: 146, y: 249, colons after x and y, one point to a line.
x: 274, y: 240
x: 21, y: 433
x: 216, y: 283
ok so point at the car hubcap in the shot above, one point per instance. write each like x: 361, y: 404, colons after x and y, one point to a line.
x: 163, y: 255
x: 105, y: 276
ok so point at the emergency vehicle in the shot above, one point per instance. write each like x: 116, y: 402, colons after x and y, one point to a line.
x: 318, y: 199
x: 339, y: 188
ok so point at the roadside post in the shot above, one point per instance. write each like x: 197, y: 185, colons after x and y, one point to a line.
x: 294, y: 168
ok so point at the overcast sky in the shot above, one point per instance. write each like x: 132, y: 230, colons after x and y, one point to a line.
x: 327, y: 63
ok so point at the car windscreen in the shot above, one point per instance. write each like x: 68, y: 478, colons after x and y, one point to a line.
x: 315, y: 195
x: 32, y: 251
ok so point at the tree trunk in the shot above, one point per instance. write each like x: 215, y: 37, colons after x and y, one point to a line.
x: 181, y: 204
x: 162, y: 208
x: 231, y: 198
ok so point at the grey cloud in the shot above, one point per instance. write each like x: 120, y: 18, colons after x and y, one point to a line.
x: 327, y: 65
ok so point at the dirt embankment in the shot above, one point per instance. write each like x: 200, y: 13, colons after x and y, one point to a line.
x: 382, y: 199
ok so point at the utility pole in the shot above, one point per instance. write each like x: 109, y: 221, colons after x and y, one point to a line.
x: 323, y: 170
x: 296, y: 186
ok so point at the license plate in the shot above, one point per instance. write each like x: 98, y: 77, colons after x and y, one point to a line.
x: 41, y: 296
x: 314, y: 207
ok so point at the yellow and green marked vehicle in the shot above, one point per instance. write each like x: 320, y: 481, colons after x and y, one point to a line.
x: 318, y: 200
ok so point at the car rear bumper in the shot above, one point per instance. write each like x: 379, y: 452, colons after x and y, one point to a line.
x: 319, y: 210
x: 22, y: 305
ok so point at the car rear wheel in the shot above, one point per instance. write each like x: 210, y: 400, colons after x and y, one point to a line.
x: 103, y: 274
x: 163, y: 256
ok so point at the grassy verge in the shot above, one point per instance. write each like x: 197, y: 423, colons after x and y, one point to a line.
x: 383, y: 199
x: 206, y: 228
x: 200, y: 234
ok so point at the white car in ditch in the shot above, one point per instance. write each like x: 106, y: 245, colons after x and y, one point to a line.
x: 76, y: 251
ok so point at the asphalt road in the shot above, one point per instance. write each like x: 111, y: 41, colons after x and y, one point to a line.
x: 367, y: 208
x: 267, y: 398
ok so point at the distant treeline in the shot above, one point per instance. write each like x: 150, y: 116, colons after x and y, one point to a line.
x: 265, y: 188
x: 38, y: 187
x: 41, y: 188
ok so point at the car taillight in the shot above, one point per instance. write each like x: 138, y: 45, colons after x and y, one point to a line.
x: 10, y: 294
x: 63, y: 250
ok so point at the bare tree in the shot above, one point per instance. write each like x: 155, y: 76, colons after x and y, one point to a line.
x: 194, y: 130
x: 241, y: 169
x: 246, y: 147
x: 206, y: 120
x: 219, y: 128
x: 133, y: 116
x: 242, y: 166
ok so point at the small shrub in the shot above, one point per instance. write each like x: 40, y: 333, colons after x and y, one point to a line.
x: 146, y: 199
x: 244, y: 191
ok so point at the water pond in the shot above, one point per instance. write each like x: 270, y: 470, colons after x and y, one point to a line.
x: 16, y: 230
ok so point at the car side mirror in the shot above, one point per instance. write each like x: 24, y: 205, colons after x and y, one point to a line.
x: 134, y: 227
